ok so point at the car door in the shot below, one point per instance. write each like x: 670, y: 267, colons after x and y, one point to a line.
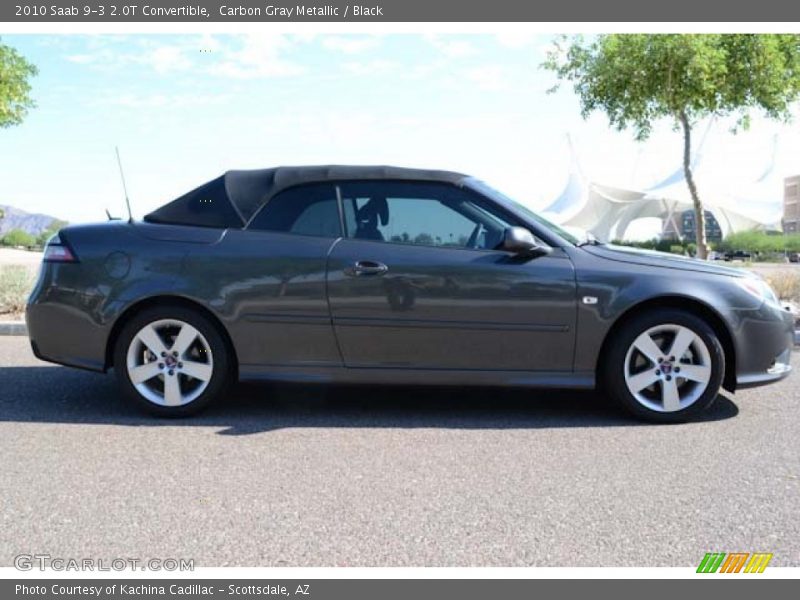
x: 417, y: 283
x: 269, y: 280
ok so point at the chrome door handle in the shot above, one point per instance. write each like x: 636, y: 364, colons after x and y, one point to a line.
x: 366, y: 267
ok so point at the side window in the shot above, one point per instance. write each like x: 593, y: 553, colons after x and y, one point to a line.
x: 419, y: 213
x: 303, y: 210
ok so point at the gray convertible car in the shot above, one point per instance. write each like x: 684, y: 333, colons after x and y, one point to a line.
x: 385, y: 275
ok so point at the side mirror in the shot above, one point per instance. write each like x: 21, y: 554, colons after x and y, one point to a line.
x: 520, y: 241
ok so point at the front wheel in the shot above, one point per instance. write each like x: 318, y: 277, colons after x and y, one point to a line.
x: 665, y: 366
x: 171, y: 361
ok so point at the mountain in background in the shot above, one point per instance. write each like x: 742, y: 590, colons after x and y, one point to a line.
x: 15, y: 218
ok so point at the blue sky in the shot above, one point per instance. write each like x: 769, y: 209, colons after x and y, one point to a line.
x: 184, y: 108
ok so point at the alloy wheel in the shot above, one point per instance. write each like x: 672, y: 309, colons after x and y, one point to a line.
x: 667, y: 368
x: 169, y: 362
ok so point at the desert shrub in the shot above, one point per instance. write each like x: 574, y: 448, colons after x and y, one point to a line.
x: 15, y: 285
x: 786, y: 284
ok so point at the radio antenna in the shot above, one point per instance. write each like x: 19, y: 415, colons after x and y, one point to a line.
x: 124, y: 187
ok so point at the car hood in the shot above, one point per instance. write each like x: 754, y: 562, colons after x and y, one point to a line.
x: 651, y: 258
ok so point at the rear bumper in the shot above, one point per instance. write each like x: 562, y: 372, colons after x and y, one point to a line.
x: 764, y: 339
x: 62, y: 334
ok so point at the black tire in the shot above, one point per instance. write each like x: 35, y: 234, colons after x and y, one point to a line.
x: 614, y: 366
x: 221, y: 371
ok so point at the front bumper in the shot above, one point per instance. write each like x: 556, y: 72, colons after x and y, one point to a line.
x: 764, y: 339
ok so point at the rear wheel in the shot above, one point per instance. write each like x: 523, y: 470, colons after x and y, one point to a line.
x: 171, y: 361
x: 665, y: 366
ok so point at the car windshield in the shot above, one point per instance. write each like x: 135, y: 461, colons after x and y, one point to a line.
x: 502, y: 199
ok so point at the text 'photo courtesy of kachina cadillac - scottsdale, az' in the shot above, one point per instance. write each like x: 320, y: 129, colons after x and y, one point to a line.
x: 398, y: 299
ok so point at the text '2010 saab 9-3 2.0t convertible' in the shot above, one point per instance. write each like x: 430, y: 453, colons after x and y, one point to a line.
x: 386, y: 275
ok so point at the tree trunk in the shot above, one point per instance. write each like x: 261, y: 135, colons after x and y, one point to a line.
x: 699, y: 213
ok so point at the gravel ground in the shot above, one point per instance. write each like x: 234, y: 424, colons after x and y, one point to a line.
x: 13, y: 256
x: 309, y: 476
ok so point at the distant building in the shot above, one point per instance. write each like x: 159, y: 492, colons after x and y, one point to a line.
x: 687, y: 225
x: 791, y: 204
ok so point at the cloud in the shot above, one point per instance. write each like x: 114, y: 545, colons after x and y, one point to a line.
x: 350, y: 44
x: 166, y: 59
x: 162, y: 58
x: 81, y: 59
x: 153, y: 101
x: 488, y: 77
x: 259, y: 56
x: 516, y: 39
x: 451, y: 47
x: 371, y: 67
x: 241, y: 57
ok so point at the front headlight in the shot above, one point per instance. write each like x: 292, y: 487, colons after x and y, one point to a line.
x: 759, y: 288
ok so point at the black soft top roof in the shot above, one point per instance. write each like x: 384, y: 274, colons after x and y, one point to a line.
x: 233, y: 198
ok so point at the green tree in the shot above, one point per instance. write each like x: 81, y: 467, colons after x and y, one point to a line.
x: 15, y: 88
x: 51, y: 230
x: 425, y: 239
x: 639, y: 79
x: 18, y: 237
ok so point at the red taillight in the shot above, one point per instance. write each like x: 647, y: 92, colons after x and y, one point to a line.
x: 57, y: 251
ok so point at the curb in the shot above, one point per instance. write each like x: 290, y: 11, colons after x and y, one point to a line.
x: 13, y: 328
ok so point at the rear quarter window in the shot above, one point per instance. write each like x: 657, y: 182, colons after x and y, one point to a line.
x: 206, y: 206
x: 303, y: 210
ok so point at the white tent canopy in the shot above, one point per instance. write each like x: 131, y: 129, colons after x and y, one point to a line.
x: 607, y: 211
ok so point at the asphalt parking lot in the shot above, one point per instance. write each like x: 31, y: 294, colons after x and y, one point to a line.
x: 309, y: 476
